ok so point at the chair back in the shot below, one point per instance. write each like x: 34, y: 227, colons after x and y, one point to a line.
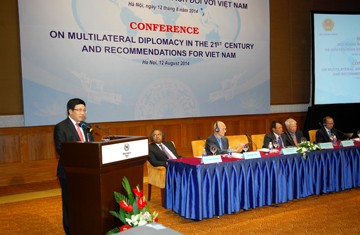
x: 156, y: 175
x: 197, y: 147
x: 236, y: 140
x: 312, y: 135
x: 258, y: 141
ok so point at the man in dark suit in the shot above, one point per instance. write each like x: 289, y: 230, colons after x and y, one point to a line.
x: 69, y: 130
x: 276, y: 134
x: 323, y: 134
x: 160, y: 151
x: 293, y: 136
x: 219, y: 140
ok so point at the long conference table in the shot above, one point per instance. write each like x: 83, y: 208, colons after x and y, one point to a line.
x: 198, y: 191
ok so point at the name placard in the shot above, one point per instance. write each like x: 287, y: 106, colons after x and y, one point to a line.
x: 211, y: 159
x: 347, y: 143
x: 327, y: 145
x: 290, y: 150
x: 252, y: 155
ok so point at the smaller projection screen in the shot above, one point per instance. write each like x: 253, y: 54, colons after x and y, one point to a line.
x: 335, y: 57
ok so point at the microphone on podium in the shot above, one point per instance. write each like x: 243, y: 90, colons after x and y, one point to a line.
x: 103, y: 130
x: 86, y: 127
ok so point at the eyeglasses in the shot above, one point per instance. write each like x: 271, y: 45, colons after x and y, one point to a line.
x: 80, y: 110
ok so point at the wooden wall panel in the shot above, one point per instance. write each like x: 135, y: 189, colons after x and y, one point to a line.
x: 9, y: 148
x: 41, y: 146
x: 28, y: 154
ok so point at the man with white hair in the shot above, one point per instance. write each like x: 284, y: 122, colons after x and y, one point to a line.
x: 293, y: 136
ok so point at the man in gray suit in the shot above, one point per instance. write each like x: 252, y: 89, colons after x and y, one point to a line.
x: 219, y: 141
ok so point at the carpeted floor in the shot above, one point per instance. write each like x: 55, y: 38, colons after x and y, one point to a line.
x: 336, y: 213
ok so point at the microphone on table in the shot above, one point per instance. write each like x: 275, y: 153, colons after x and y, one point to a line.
x: 249, y: 137
x: 338, y: 130
x: 323, y: 126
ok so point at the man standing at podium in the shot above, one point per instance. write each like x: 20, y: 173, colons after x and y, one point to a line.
x: 69, y: 130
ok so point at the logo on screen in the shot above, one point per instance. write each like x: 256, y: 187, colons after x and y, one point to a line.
x: 328, y: 24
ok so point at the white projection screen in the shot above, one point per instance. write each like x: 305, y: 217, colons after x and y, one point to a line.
x: 140, y: 60
x: 336, y: 57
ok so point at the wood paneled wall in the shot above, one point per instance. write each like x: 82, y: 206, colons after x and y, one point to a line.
x: 27, y: 154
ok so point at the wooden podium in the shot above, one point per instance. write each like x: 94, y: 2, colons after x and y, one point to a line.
x: 94, y: 171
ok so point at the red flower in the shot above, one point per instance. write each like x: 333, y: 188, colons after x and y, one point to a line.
x: 125, y: 206
x: 141, y: 202
x: 138, y: 192
x: 156, y: 219
x: 125, y: 227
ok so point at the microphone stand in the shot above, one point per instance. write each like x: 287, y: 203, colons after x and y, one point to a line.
x: 108, y: 135
x: 251, y: 141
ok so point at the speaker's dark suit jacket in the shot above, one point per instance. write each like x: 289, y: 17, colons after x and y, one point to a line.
x: 157, y: 157
x: 211, y: 140
x: 323, y: 137
x: 289, y: 140
x: 65, y: 131
x: 270, y: 137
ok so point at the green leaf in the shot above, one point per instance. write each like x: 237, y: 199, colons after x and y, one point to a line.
x: 116, y: 214
x: 113, y: 231
x: 127, y: 187
x: 119, y: 197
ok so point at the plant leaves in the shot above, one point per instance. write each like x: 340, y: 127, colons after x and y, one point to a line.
x: 127, y: 187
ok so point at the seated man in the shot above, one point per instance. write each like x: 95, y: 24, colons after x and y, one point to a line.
x: 160, y: 151
x: 219, y: 141
x: 293, y: 136
x: 276, y: 135
x: 323, y: 134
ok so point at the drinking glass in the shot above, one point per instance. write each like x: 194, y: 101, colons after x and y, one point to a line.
x: 333, y: 139
x: 213, y: 149
x: 246, y: 147
x: 275, y: 143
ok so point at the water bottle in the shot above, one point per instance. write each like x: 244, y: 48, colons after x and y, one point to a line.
x: 204, y: 153
x: 270, y: 147
x: 230, y: 152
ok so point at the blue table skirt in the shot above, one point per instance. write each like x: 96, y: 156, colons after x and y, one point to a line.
x: 204, y: 191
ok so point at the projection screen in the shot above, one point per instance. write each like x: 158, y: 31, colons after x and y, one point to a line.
x: 139, y: 60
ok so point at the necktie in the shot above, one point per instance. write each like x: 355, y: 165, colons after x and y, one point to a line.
x: 294, y: 138
x: 280, y: 142
x: 220, y: 143
x: 79, y: 132
x: 166, y: 152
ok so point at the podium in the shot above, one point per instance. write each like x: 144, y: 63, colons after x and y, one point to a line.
x: 94, y: 170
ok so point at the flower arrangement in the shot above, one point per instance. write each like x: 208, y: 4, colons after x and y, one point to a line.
x: 134, y: 210
x: 306, y: 146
